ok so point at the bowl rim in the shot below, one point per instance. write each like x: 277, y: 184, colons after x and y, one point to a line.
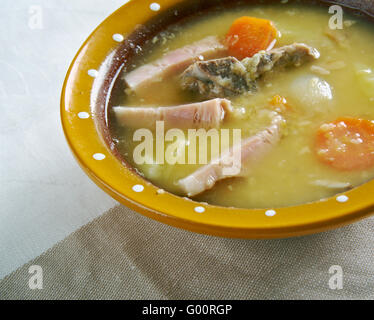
x: 119, y: 181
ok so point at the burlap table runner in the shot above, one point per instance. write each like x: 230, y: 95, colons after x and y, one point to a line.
x: 123, y: 255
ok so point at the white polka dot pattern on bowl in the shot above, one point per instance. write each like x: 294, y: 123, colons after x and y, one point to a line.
x: 155, y: 6
x: 199, y: 209
x: 118, y: 37
x: 271, y: 213
x: 138, y: 188
x: 99, y: 156
x: 160, y: 191
x: 83, y: 115
x: 342, y: 199
x: 92, y: 73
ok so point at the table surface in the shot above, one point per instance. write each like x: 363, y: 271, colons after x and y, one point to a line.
x: 44, y: 195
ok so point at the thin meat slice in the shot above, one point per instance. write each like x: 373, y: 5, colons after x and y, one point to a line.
x: 208, y: 114
x: 229, y: 76
x: 174, y: 62
x: 249, y: 152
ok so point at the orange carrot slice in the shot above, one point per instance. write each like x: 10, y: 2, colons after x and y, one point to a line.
x: 346, y: 144
x: 249, y: 35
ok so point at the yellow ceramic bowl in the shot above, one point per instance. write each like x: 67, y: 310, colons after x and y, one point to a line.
x: 83, y: 112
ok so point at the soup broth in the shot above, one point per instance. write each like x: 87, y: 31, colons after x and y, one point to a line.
x: 292, y: 173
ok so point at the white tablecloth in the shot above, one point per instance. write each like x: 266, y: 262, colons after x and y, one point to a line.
x: 44, y: 196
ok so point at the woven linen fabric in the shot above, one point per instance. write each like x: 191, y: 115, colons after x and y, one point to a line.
x: 123, y: 255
